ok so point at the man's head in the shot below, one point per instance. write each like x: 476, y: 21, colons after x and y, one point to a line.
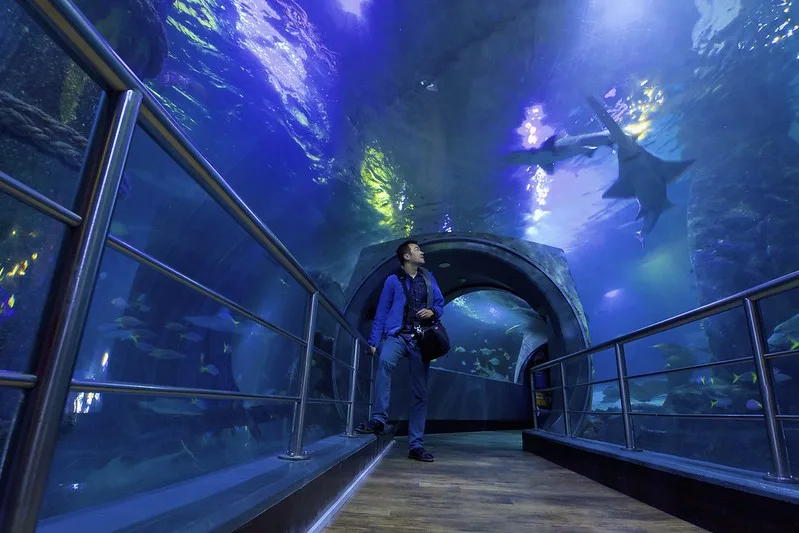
x: 410, y: 253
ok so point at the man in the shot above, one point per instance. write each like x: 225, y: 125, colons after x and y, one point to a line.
x: 394, y: 329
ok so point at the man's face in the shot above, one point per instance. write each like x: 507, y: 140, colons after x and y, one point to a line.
x: 415, y: 255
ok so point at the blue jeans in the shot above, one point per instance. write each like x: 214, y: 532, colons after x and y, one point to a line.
x: 391, y: 349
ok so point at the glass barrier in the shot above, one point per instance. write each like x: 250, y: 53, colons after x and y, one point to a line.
x: 139, y: 443
x: 47, y: 108
x: 194, y: 356
x: 30, y: 245
x: 169, y: 217
x: 721, y: 405
x: 148, y: 329
x: 10, y: 400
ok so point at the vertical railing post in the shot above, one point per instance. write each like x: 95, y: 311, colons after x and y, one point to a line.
x: 296, y: 451
x: 33, y: 441
x: 624, y: 395
x: 566, y: 418
x: 356, y: 356
x: 776, y: 437
x: 535, y: 404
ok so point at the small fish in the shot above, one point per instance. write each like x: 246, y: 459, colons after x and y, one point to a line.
x: 191, y: 336
x: 145, y: 347
x: 119, y: 303
x: 129, y: 322
x: 460, y: 349
x: 721, y: 403
x: 175, y: 326
x: 737, y: 377
x: 166, y: 353
x: 493, y: 361
x: 144, y: 333
x: 227, y: 348
x: 210, y: 369
x: 753, y: 405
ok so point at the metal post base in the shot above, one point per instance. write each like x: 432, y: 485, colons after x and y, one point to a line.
x: 350, y: 435
x: 780, y: 479
x: 291, y: 457
x: 626, y: 449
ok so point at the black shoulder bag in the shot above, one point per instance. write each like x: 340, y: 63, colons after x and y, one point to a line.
x: 431, y: 336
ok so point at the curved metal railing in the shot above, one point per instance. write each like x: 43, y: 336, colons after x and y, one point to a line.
x: 126, y: 103
x: 761, y: 358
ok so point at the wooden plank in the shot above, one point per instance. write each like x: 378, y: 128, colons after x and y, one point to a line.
x: 484, y: 482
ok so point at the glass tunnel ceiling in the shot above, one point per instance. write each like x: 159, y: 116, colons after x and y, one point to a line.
x: 345, y: 123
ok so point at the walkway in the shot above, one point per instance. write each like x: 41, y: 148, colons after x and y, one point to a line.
x: 484, y: 482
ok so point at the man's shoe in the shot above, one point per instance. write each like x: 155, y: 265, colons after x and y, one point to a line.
x: 375, y: 427
x: 420, y: 454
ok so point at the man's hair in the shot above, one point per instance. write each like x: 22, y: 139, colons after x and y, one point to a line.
x: 404, y: 248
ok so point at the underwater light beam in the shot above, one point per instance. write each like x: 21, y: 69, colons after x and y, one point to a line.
x: 353, y: 6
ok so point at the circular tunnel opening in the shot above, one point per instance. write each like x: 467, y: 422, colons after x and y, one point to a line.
x: 474, y: 265
x: 467, y: 267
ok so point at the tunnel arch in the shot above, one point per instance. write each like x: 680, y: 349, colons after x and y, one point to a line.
x: 475, y: 263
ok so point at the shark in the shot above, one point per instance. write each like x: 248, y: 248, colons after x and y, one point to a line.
x: 554, y: 150
x: 642, y: 175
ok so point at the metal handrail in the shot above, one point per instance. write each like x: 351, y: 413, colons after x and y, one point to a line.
x: 70, y: 29
x: 760, y: 357
x: 759, y: 292
x: 125, y: 103
x: 145, y: 259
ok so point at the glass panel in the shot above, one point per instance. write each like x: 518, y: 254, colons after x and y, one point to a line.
x: 133, y: 448
x: 324, y: 420
x: 726, y: 389
x: 363, y: 390
x: 736, y: 443
x: 344, y: 346
x: 553, y: 398
x: 367, y: 361
x: 30, y: 244
x: 781, y: 321
x: 326, y: 329
x: 599, y: 397
x: 10, y: 400
x: 785, y: 375
x: 791, y: 431
x: 146, y: 328
x: 551, y: 420
x: 361, y: 413
x: 602, y: 427
x: 685, y: 346
x: 549, y: 377
x: 329, y: 379
x: 492, y: 333
x: 46, y: 114
x: 601, y: 367
x: 170, y: 217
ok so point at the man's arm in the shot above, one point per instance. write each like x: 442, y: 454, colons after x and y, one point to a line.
x: 383, y: 307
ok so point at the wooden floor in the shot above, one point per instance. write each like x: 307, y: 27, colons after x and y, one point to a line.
x: 484, y: 482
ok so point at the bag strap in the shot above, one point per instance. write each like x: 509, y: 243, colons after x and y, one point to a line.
x: 429, y: 285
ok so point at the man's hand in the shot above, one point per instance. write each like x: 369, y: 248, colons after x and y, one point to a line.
x: 425, y: 313
x: 373, y: 349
